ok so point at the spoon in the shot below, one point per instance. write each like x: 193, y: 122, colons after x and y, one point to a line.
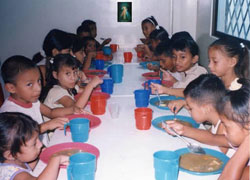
x: 193, y: 148
x: 174, y: 113
x: 160, y: 102
x: 102, y: 38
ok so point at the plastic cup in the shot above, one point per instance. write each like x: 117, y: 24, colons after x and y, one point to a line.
x: 141, y: 97
x: 106, y: 50
x: 143, y: 117
x: 98, y: 104
x: 166, y: 165
x: 139, y: 54
x: 107, y: 86
x: 114, y: 47
x: 116, y: 72
x: 114, y: 110
x: 99, y: 64
x: 81, y: 166
x: 79, y: 128
x: 127, y: 57
x: 148, y: 83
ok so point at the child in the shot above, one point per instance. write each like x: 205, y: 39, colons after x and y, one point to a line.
x: 89, y: 45
x: 186, y: 55
x: 201, y: 96
x: 20, y: 149
x: 83, y: 31
x: 229, y: 60
x: 234, y: 110
x: 61, y: 87
x: 148, y: 25
x: 23, y: 82
x: 92, y: 27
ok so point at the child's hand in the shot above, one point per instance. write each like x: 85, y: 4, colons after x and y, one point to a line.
x: 57, y: 123
x: 60, y: 159
x: 157, y: 87
x: 77, y: 110
x: 106, y: 41
x: 176, y: 126
x: 150, y: 66
x: 95, y: 81
x: 167, y: 76
x: 176, y: 105
x: 91, y: 54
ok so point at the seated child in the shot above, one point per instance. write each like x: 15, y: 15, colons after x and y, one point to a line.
x: 22, y: 80
x: 21, y: 147
x: 83, y: 31
x: 234, y: 110
x: 201, y: 96
x: 89, y: 45
x: 186, y: 55
x: 93, y: 33
x: 62, y: 83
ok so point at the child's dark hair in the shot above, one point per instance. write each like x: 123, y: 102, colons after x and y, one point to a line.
x: 233, y: 48
x: 235, y: 104
x: 56, y: 64
x: 183, y: 40
x: 206, y: 89
x: 151, y: 20
x: 78, y: 44
x: 55, y: 39
x: 163, y: 48
x: 88, y: 22
x: 15, y: 65
x: 15, y: 129
x: 81, y: 29
x: 86, y: 41
x: 159, y: 34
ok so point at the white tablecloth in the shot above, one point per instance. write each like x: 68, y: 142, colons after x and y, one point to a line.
x: 125, y: 152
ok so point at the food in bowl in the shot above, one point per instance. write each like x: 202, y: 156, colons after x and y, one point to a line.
x: 67, y: 152
x: 200, y: 162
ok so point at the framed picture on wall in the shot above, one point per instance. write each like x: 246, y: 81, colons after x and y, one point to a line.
x: 124, y: 11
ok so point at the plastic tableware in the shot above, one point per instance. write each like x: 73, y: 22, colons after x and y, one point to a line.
x: 145, y: 64
x: 114, y: 47
x: 79, y: 128
x: 114, y: 110
x: 116, y: 72
x: 212, y: 152
x: 99, y: 64
x: 82, y: 147
x: 141, y: 97
x: 148, y: 83
x: 151, y: 75
x: 155, y: 101
x: 127, y: 57
x: 82, y: 166
x: 98, y: 104
x: 139, y: 54
x: 92, y: 73
x: 143, y: 117
x: 166, y: 165
x: 107, y: 86
x: 157, y: 121
x: 106, y: 50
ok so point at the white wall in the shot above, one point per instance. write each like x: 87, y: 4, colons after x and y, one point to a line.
x: 24, y: 23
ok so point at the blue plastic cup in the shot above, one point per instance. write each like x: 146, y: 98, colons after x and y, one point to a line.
x: 82, y: 166
x: 107, y: 86
x: 148, y: 83
x: 99, y: 64
x: 79, y: 128
x: 116, y: 72
x: 141, y: 97
x: 106, y: 50
x: 166, y: 164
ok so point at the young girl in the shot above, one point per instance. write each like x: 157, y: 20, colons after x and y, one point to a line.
x: 23, y: 82
x: 93, y: 33
x: 229, y: 60
x: 201, y: 96
x: 20, y: 149
x: 185, y: 54
x: 89, y: 45
x: 83, y: 31
x: 61, y: 87
x: 234, y: 110
x: 148, y: 25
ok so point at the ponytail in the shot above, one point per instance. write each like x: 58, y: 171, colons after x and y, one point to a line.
x: 242, y: 67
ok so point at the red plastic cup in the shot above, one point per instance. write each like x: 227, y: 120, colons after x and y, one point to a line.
x: 127, y: 57
x: 143, y: 117
x: 98, y: 104
x: 114, y: 47
x: 139, y: 54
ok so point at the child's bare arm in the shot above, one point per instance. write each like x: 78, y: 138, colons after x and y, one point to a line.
x: 87, y: 62
x: 53, y: 124
x: 236, y: 167
x: 164, y: 90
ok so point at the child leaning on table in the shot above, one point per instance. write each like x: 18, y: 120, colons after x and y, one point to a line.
x: 62, y: 79
x: 234, y: 110
x: 20, y: 149
x: 186, y: 55
x: 23, y: 81
x: 201, y: 96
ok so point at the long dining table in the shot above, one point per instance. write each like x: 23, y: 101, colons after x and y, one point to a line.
x: 126, y: 153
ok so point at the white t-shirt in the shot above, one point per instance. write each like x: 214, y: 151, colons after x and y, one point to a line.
x: 30, y: 109
x: 235, y: 85
x: 189, y: 75
x: 9, y: 171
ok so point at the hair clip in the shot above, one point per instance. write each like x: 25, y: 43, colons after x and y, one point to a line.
x: 42, y: 53
x: 51, y: 60
x: 157, y: 27
x: 149, y: 18
x: 242, y: 45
